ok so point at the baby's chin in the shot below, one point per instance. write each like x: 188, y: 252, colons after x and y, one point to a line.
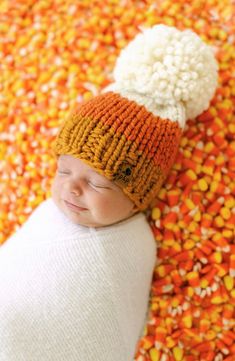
x: 81, y: 218
x: 78, y: 218
x: 85, y: 218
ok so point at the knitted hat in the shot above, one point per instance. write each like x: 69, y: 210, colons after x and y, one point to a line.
x: 131, y: 132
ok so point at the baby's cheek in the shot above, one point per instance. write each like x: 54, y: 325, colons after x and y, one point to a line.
x: 113, y: 209
x: 102, y: 206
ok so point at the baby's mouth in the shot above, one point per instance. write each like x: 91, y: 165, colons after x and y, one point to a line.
x: 73, y: 206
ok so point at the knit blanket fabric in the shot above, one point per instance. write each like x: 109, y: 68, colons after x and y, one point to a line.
x: 74, y: 293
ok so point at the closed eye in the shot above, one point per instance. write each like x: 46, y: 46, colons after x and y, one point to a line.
x: 98, y: 186
x: 62, y: 172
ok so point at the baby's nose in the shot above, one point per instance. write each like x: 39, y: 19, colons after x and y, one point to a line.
x: 75, y: 188
x: 77, y: 192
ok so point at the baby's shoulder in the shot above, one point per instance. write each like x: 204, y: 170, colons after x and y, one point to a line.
x: 41, y: 218
x: 44, y: 209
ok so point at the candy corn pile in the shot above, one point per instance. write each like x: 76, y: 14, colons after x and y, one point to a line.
x: 56, y: 53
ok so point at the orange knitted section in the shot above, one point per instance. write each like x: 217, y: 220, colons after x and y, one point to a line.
x: 156, y: 137
x: 122, y: 141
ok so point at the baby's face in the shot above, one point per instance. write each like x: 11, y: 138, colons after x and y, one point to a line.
x: 101, y: 202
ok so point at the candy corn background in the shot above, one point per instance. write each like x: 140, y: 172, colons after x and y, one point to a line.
x: 54, y: 54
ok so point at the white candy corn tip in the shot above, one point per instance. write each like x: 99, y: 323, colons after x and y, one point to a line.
x: 172, y: 73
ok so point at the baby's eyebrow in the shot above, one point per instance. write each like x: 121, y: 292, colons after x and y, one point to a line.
x: 99, y: 176
x: 92, y: 171
x: 102, y: 178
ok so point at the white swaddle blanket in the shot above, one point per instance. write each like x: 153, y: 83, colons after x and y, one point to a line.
x: 74, y: 293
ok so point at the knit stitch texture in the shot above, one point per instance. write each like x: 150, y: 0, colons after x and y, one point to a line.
x: 74, y: 293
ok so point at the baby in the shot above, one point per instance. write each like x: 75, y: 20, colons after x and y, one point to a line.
x: 75, y: 278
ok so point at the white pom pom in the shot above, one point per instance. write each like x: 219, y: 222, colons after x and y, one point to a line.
x: 165, y: 67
